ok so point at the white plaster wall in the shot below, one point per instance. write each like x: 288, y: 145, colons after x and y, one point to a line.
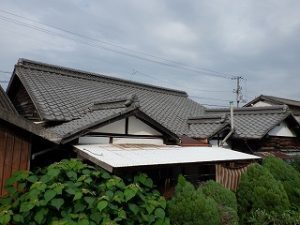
x: 282, y: 130
x: 261, y: 104
x: 152, y: 141
x: 138, y: 127
x: 213, y: 143
x: 93, y: 140
x: 117, y: 127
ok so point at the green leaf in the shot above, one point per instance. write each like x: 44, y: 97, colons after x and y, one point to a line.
x: 78, y: 195
x: 79, y: 207
x: 49, y: 195
x: 102, y: 205
x: 160, y: 213
x: 90, y: 201
x: 150, y: 208
x: 32, y: 178
x: 162, y: 202
x: 122, y: 214
x: 83, y: 222
x: 5, y: 218
x: 72, y: 175
x: 57, y: 203
x: 53, y: 172
x: 57, y: 187
x: 18, y: 218
x: 129, y: 194
x: 26, y: 206
x: 119, y: 197
x: 71, y: 191
x: 96, y: 217
x: 133, y: 208
x: 40, y: 215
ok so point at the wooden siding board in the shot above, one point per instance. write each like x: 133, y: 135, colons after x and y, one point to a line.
x: 17, y: 149
x: 14, y: 153
x: 2, y: 157
x: 8, y: 161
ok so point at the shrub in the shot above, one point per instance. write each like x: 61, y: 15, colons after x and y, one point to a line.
x: 220, y: 194
x: 296, y: 163
x: 226, y: 200
x: 190, y: 206
x: 259, y: 190
x: 288, y: 176
x: 70, y: 192
x: 261, y: 217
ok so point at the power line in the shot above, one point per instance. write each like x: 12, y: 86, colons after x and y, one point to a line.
x: 112, y: 44
x: 2, y: 71
x: 213, y: 105
x: 167, y: 62
x: 213, y: 99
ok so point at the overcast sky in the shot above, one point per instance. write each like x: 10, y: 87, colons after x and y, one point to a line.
x: 195, y: 46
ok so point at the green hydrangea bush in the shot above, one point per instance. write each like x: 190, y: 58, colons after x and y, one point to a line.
x: 70, y: 192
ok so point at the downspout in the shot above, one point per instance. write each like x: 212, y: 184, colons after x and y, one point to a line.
x: 231, y: 125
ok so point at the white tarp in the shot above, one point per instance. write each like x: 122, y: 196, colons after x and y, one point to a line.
x: 111, y: 156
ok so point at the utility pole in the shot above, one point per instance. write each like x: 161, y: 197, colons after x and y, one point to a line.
x: 238, y: 90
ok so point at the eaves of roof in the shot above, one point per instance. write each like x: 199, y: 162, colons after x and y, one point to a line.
x: 274, y: 100
x: 82, y: 126
x: 28, y: 126
x: 5, y: 102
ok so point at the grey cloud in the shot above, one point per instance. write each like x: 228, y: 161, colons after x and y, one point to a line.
x: 256, y: 39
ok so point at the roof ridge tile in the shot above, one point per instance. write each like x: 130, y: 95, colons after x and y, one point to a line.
x: 93, y: 76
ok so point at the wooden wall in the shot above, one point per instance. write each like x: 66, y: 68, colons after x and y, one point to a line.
x: 280, y: 143
x: 14, y: 152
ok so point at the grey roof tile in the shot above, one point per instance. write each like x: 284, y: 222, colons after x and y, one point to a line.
x: 63, y: 94
x: 274, y: 100
x: 254, y: 122
x: 5, y: 102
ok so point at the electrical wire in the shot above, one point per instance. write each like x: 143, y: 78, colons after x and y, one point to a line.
x: 167, y: 62
x: 110, y: 43
x: 208, y: 98
x: 2, y: 71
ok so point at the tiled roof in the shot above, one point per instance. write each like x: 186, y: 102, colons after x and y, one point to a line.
x: 275, y: 100
x: 254, y: 122
x: 207, y: 125
x: 87, y: 121
x: 5, y: 102
x: 18, y: 121
x: 63, y: 94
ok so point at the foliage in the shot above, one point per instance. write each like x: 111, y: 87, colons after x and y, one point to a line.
x: 225, y: 199
x: 296, y: 163
x: 259, y: 190
x: 261, y: 217
x: 220, y: 194
x: 70, y: 192
x: 288, y: 176
x: 191, y: 207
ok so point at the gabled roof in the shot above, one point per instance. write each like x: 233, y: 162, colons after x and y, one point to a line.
x: 255, y: 122
x: 5, y: 102
x: 100, y: 113
x: 274, y: 100
x: 62, y: 94
x: 207, y: 125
